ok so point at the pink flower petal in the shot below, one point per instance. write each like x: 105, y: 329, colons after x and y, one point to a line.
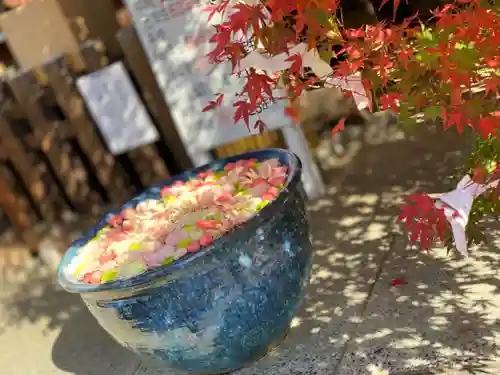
x: 277, y: 181
x: 265, y: 170
x: 206, y: 239
x: 280, y: 171
x: 165, y: 192
x: 156, y: 258
x: 206, y: 198
x: 229, y: 166
x: 259, y: 181
x: 258, y: 190
x: 193, y: 247
x: 176, y: 237
x: 274, y: 191
x: 273, y: 163
x: 207, y: 224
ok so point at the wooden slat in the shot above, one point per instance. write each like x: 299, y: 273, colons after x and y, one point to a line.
x: 109, y: 173
x: 18, y: 209
x: 152, y: 94
x: 143, y: 157
x: 149, y: 166
x: 46, y: 198
x: 27, y: 211
x: 69, y: 172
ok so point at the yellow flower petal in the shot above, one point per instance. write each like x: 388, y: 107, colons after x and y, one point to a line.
x: 168, y: 260
x: 79, y: 269
x: 109, y: 276
x: 136, y: 246
x: 131, y: 269
x: 170, y: 199
x: 262, y: 204
x: 184, y: 243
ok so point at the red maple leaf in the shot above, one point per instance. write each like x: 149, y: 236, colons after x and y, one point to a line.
x: 491, y: 85
x: 221, y: 38
x: 355, y: 33
x: 405, y: 55
x: 258, y: 84
x: 390, y: 101
x: 424, y: 222
x: 212, y: 104
x: 454, y: 118
x: 296, y: 61
x: 259, y: 124
x: 441, y: 12
x: 354, y: 52
x: 488, y: 126
x: 398, y: 281
x: 293, y: 113
x: 339, y: 127
x: 280, y: 9
x: 219, y: 8
x: 479, y: 175
x: 247, y: 16
x: 346, y: 68
x: 243, y: 110
x: 494, y: 62
x: 394, y: 8
x: 235, y: 52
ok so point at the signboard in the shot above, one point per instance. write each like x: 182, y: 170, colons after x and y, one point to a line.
x: 175, y: 35
x: 117, y: 109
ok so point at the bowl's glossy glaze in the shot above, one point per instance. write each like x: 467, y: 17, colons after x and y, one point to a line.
x: 216, y: 310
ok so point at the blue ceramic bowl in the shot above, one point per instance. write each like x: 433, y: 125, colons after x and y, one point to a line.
x: 218, y: 309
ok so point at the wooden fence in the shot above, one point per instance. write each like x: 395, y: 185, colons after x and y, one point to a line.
x: 52, y: 157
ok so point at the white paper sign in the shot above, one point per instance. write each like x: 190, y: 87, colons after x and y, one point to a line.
x: 117, y: 109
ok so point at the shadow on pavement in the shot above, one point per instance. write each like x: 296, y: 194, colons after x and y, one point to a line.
x: 353, y: 233
x: 84, y: 348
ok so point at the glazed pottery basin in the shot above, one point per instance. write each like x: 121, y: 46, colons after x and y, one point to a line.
x: 216, y: 310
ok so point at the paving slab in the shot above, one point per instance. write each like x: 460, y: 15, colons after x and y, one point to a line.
x: 441, y: 312
x: 46, y: 331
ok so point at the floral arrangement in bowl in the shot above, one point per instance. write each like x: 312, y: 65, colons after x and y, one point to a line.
x: 188, y: 216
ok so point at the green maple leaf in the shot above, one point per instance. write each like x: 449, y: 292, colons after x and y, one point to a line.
x: 425, y: 33
x: 466, y: 58
x: 321, y: 17
x: 432, y: 112
x: 326, y: 56
x: 430, y: 59
x: 406, y: 119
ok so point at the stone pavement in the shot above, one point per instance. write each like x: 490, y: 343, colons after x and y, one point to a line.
x: 443, y: 320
